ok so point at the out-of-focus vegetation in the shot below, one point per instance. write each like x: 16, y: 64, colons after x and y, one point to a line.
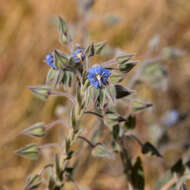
x: 27, y: 35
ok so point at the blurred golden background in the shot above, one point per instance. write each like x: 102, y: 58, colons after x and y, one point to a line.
x: 27, y: 35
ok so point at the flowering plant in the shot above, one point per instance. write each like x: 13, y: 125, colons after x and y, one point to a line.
x: 96, y: 90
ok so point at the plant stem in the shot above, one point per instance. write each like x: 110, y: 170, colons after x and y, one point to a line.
x: 126, y: 161
x: 87, y: 141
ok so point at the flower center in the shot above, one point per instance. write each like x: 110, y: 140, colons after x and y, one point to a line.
x: 79, y: 55
x: 98, y: 77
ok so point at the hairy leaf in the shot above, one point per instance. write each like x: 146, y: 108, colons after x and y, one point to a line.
x: 41, y: 92
x: 64, y: 34
x: 139, y: 105
x: 30, y: 151
x: 131, y: 122
x: 32, y: 182
x: 36, y: 130
x: 61, y: 60
x: 178, y: 167
x: 149, y: 148
x: 99, y: 47
x: 122, y: 91
x: 137, y: 175
x: 121, y: 59
x: 101, y: 151
x: 126, y: 67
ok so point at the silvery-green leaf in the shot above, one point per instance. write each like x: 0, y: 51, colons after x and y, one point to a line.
x: 122, y: 92
x: 111, y: 119
x: 117, y: 131
x: 50, y: 76
x: 41, y: 92
x: 178, y: 167
x: 149, y: 148
x: 61, y: 60
x: 137, y: 176
x: 101, y: 97
x: 155, y: 74
x: 111, y: 92
x: 116, y: 77
x: 131, y: 122
x: 94, y: 93
x: 36, y: 130
x: 126, y: 67
x: 67, y: 78
x: 58, y: 78
x: 101, y: 151
x: 33, y: 181
x: 30, y: 151
x: 64, y: 34
x: 90, y: 50
x: 170, y: 52
x: 123, y: 58
x: 99, y: 47
x: 152, y: 69
x: 139, y: 105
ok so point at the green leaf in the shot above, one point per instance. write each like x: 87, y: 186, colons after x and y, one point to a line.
x: 61, y: 60
x: 111, y: 118
x: 90, y: 50
x: 101, y: 151
x: 51, y: 75
x: 124, y: 58
x: 149, y: 148
x: 99, y: 47
x: 122, y: 92
x: 58, y: 78
x: 64, y: 35
x: 170, y: 52
x: 155, y: 74
x: 36, y: 130
x: 137, y: 175
x: 131, y: 122
x: 41, y: 92
x: 67, y: 78
x: 126, y: 67
x: 95, y: 49
x: 139, y: 105
x: 116, y: 77
x: 30, y: 151
x: 101, y: 96
x: 178, y: 167
x: 33, y: 181
x: 111, y: 93
x: 117, y: 131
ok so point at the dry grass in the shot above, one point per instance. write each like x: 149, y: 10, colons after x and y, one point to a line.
x: 26, y: 35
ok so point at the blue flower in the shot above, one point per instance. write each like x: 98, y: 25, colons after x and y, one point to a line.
x: 78, y: 55
x: 171, y: 118
x: 50, y: 60
x: 98, y: 76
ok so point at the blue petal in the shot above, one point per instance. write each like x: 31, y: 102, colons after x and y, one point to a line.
x: 75, y: 54
x: 92, y: 76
